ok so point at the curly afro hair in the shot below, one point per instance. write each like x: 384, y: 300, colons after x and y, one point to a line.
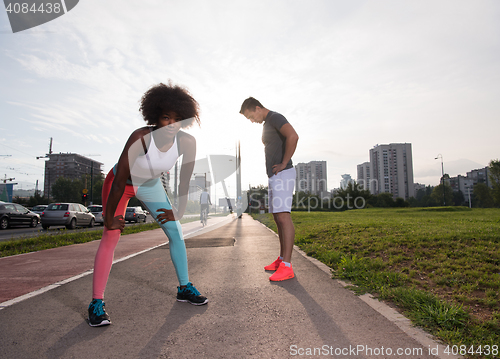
x: 165, y: 98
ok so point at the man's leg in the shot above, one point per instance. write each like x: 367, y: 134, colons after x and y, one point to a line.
x: 286, y: 233
x: 281, y: 188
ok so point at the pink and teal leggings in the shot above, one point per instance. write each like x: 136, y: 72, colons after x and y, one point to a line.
x: 154, y: 197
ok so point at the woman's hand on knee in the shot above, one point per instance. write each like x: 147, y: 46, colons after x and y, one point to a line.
x: 167, y: 215
x: 117, y: 223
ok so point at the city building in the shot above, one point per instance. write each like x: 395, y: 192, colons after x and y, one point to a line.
x: 391, y: 170
x: 346, y: 181
x: 481, y: 175
x: 69, y: 165
x: 311, y: 178
x: 417, y: 187
x: 197, y: 185
x: 364, y: 175
x: 461, y: 183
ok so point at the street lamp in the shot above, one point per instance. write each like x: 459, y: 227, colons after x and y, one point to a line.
x: 442, y: 176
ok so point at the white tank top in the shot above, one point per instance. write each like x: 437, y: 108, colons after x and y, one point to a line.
x: 154, y: 163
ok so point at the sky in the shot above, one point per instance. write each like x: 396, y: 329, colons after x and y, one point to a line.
x: 347, y: 75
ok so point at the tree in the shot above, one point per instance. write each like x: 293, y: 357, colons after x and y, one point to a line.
x: 495, y: 180
x: 400, y: 202
x: 67, y: 190
x: 352, y: 196
x: 256, y: 198
x: 458, y: 198
x: 482, y: 194
x: 437, y: 194
x: 36, y: 199
x: 97, y: 190
x: 423, y: 198
x: 382, y: 200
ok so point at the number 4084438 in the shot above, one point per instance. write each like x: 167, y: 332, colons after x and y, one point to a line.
x: 24, y: 8
x: 480, y: 349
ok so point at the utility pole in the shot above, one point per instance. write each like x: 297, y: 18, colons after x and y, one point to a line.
x: 91, y: 178
x: 239, y: 200
x: 442, y: 177
x: 46, y: 171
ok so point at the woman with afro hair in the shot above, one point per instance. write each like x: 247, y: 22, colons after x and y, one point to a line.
x: 150, y: 151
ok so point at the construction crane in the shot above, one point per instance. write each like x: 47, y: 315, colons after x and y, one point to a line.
x: 48, y: 154
x: 7, y: 179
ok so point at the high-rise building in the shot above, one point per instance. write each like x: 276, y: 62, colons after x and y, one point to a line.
x: 364, y: 175
x: 461, y: 183
x: 392, y: 170
x: 311, y: 178
x: 481, y: 175
x: 346, y: 181
x: 68, y: 165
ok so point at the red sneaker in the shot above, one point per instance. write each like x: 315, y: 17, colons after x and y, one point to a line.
x: 274, y: 265
x: 283, y: 273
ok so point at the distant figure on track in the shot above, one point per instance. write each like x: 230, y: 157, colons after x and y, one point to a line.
x: 150, y: 151
x: 204, y: 203
x: 280, y: 141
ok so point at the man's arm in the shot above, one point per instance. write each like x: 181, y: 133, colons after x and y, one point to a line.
x: 291, y: 139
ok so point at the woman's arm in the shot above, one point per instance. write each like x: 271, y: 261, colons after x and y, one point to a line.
x: 132, y: 149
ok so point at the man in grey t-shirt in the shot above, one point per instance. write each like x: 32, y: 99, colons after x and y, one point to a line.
x: 280, y: 141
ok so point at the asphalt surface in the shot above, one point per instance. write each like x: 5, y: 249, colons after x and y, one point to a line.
x: 311, y: 315
x: 22, y: 232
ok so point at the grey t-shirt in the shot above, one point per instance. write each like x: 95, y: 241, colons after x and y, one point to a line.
x: 274, y: 141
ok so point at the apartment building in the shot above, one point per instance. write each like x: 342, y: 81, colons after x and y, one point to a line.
x: 391, y: 170
x: 364, y: 175
x: 69, y: 165
x: 311, y: 178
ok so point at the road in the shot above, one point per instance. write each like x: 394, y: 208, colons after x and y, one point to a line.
x: 311, y: 315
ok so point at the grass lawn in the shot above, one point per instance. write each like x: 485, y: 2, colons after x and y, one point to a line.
x: 440, y: 266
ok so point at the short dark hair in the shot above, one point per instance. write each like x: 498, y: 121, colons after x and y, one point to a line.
x: 250, y: 104
x: 163, y: 98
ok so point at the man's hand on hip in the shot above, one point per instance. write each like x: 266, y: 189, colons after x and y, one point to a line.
x: 278, y: 168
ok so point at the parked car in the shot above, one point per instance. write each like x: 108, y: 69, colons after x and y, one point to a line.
x: 97, y: 212
x: 13, y: 214
x: 70, y: 215
x: 135, y: 214
x: 38, y: 209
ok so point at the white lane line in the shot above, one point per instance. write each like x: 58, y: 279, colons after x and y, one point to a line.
x: 10, y: 302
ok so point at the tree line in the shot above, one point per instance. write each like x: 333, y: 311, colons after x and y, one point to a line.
x: 355, y: 197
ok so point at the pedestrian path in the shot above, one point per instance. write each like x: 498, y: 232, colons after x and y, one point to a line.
x: 309, y: 316
x: 26, y: 274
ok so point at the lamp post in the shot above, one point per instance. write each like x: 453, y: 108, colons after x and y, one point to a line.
x: 442, y: 177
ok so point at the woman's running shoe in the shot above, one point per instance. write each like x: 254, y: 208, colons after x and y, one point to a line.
x: 190, y: 295
x: 97, y: 313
